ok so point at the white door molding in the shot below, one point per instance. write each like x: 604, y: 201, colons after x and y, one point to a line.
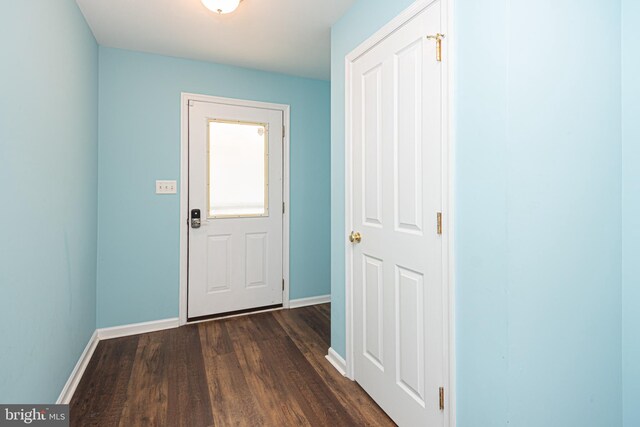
x: 184, y: 188
x: 447, y: 191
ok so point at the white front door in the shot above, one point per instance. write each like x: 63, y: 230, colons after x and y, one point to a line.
x: 396, y: 135
x: 235, y: 208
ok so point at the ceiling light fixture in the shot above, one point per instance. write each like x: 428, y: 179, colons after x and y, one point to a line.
x: 221, y: 6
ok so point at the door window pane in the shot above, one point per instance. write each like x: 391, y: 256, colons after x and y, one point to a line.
x: 238, y: 165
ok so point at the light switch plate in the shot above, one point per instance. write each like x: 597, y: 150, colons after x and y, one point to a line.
x: 166, y: 187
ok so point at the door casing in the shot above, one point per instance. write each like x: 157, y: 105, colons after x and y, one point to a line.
x: 447, y: 186
x: 184, y: 189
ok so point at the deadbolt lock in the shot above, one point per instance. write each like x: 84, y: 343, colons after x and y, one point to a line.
x: 195, y: 218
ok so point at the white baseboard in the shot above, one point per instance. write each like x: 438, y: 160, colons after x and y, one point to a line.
x: 76, y: 375
x: 337, y: 361
x: 303, y: 302
x: 137, y: 328
x: 105, y: 334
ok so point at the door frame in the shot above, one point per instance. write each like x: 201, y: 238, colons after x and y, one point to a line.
x: 447, y: 191
x: 184, y: 188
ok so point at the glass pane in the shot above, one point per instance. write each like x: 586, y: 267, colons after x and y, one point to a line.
x: 237, y: 169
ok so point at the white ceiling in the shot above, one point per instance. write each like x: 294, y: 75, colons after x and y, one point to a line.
x: 286, y: 36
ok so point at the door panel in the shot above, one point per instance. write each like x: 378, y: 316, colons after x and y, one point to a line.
x: 219, y: 263
x: 256, y: 262
x: 409, y: 332
x: 235, y: 179
x: 373, y: 321
x: 408, y: 138
x: 372, y: 146
x: 396, y: 110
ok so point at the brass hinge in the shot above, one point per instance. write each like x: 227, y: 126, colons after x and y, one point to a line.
x: 439, y: 223
x: 438, y: 38
x: 441, y: 394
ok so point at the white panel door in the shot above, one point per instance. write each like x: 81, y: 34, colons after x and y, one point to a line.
x: 396, y: 111
x: 235, y: 182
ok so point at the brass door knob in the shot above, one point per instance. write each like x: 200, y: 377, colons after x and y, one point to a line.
x: 355, y: 237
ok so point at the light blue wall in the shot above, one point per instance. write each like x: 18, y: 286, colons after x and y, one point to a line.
x: 138, y: 251
x: 538, y: 207
x: 48, y: 167
x: 563, y: 255
x: 631, y: 211
x: 481, y: 222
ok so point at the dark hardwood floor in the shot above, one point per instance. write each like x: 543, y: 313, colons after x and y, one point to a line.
x: 265, y: 369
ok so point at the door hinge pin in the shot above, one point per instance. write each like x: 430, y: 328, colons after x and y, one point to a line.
x: 282, y: 207
x: 283, y: 284
x: 439, y: 226
x: 441, y: 395
x: 438, y: 38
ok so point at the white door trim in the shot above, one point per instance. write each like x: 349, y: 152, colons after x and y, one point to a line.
x: 447, y: 191
x: 184, y: 188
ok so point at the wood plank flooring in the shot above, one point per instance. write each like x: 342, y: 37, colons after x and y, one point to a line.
x: 265, y: 369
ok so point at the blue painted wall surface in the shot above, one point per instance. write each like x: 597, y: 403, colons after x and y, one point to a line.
x: 138, y: 252
x: 480, y: 200
x: 538, y: 208
x: 563, y: 255
x: 631, y: 211
x: 48, y: 167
